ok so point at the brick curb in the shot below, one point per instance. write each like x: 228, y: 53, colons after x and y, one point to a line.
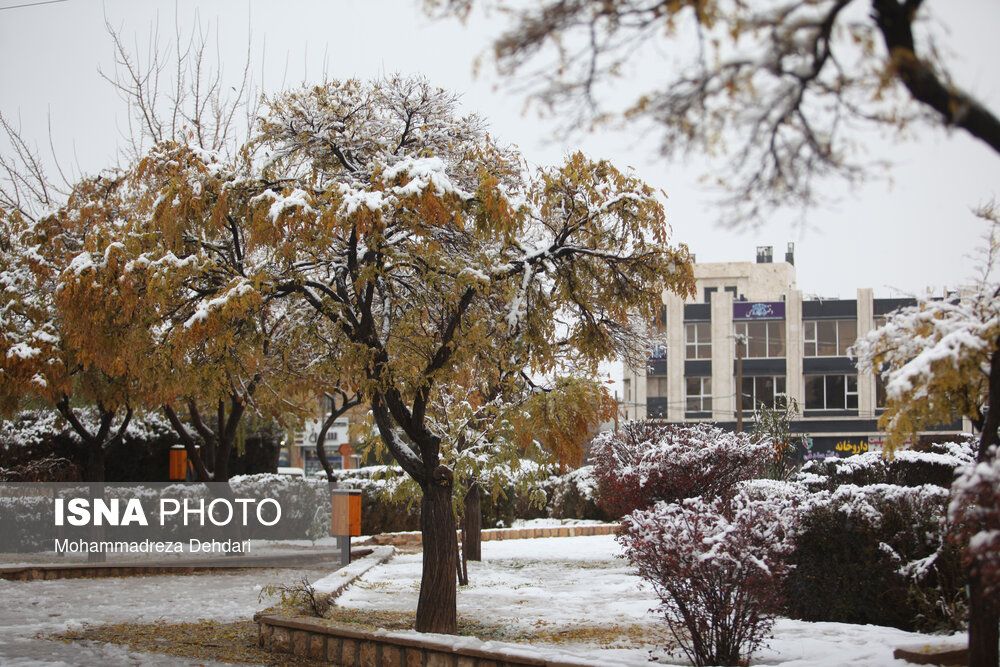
x: 355, y: 648
x: 492, y: 534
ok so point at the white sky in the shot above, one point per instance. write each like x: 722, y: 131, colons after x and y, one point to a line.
x: 903, y: 234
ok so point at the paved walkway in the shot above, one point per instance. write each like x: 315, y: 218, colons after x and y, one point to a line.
x: 33, y: 608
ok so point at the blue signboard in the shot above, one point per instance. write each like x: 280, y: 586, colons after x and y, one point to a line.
x: 759, y: 310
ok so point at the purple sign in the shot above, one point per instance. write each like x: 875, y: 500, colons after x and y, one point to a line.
x: 760, y: 310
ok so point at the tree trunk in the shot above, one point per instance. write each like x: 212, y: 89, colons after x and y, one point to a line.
x: 984, y: 627
x: 472, y: 536
x: 436, y: 605
x: 321, y: 446
x: 93, y: 470
x: 984, y: 619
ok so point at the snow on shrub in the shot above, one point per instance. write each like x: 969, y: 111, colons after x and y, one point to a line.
x: 888, y: 546
x: 573, y: 495
x: 644, y: 462
x: 935, y: 463
x: 715, y: 565
x: 975, y: 510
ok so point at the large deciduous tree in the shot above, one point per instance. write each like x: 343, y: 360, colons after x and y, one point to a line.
x: 778, y: 89
x: 941, y: 359
x: 416, y: 236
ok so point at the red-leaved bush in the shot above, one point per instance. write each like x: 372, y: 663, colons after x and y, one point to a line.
x: 644, y: 462
x: 975, y: 511
x: 715, y: 565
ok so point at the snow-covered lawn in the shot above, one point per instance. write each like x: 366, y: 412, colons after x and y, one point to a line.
x: 573, y: 589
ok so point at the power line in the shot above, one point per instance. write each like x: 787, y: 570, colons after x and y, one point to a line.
x: 33, y: 4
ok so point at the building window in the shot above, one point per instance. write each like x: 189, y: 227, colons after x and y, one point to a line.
x: 628, y: 390
x: 656, y: 387
x: 763, y: 390
x: 765, y: 339
x: 699, y: 394
x: 698, y: 340
x: 831, y: 392
x: 709, y: 291
x: 828, y: 338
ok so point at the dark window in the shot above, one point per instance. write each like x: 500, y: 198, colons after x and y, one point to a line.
x: 763, y: 390
x: 831, y: 392
x: 765, y: 339
x: 828, y: 338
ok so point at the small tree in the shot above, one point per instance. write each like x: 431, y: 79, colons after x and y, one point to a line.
x: 774, y: 426
x: 715, y: 565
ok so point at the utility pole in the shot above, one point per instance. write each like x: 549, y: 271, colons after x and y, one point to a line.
x: 740, y: 342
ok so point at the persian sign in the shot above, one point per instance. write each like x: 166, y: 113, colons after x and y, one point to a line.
x: 759, y: 310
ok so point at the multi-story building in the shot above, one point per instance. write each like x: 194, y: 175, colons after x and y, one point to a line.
x: 791, y: 346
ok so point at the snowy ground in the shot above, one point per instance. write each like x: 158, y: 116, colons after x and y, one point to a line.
x: 45, y: 607
x: 550, y: 584
x: 577, y: 582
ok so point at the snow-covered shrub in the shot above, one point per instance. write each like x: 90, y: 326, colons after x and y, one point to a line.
x: 299, y: 499
x: 644, y: 462
x: 935, y: 463
x: 975, y: 510
x: 28, y: 523
x: 49, y: 468
x: 716, y: 566
x: 35, y: 435
x: 876, y: 554
x: 573, y: 496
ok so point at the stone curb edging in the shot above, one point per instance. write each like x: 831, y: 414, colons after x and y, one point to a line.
x: 133, y: 569
x: 489, y: 535
x: 920, y: 656
x: 333, y: 585
x: 354, y: 648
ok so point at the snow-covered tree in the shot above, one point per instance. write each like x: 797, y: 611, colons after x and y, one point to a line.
x: 418, y: 237
x: 940, y: 359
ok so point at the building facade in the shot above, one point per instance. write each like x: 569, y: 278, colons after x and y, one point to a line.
x: 790, y: 346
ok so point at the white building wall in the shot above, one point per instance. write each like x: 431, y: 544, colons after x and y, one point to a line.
x: 866, y: 381
x: 723, y: 357
x: 794, y: 383
x: 676, y: 353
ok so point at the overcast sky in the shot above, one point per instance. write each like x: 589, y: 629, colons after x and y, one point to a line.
x: 899, y: 235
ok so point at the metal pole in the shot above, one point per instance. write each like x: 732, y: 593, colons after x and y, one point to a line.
x: 739, y: 384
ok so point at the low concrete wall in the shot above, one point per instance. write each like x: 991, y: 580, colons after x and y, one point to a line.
x: 353, y: 648
x: 406, y: 539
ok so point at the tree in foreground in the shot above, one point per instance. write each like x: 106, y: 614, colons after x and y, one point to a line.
x: 940, y: 359
x: 417, y: 237
x: 783, y: 91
